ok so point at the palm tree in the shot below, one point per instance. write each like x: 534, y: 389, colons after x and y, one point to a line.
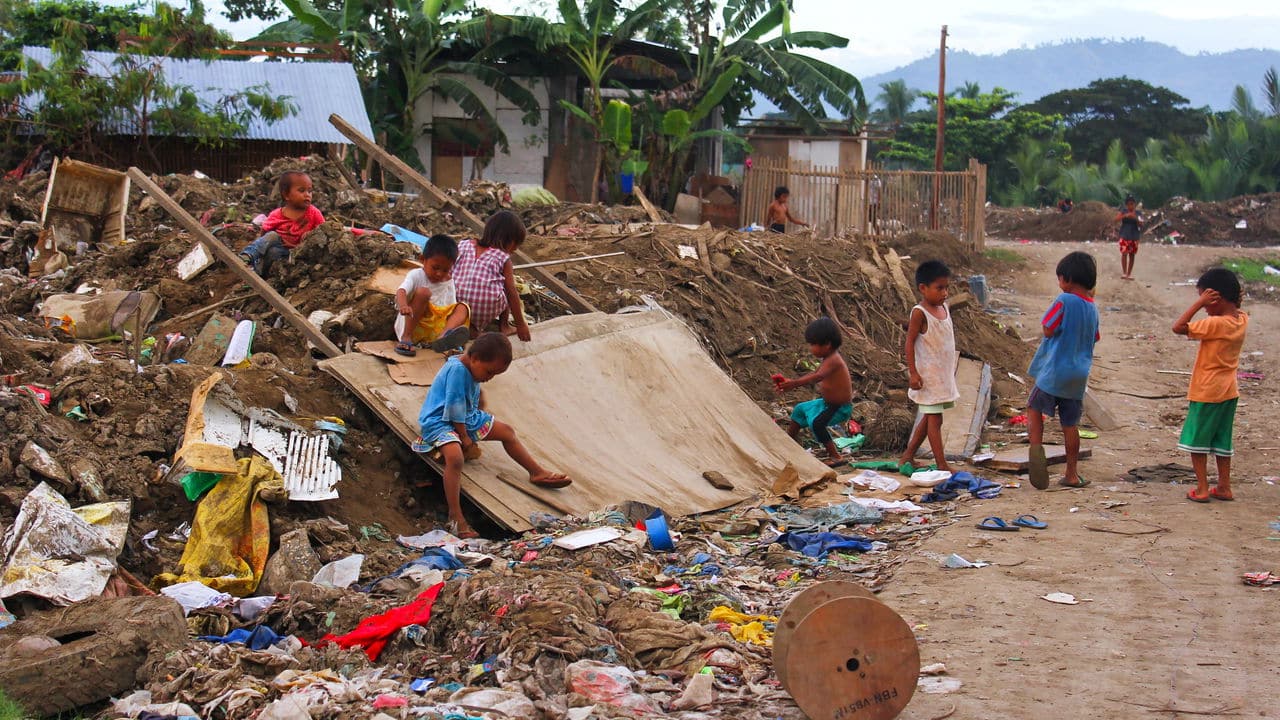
x: 1242, y: 103
x: 1271, y: 87
x: 895, y: 101
x: 969, y: 91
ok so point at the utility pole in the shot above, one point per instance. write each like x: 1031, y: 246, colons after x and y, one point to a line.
x: 940, y: 141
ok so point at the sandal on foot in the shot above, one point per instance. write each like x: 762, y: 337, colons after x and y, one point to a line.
x: 454, y: 338
x: 461, y: 534
x: 833, y: 462
x: 553, y: 482
x: 1193, y: 497
x: 406, y: 349
x: 996, y: 524
x: 1030, y: 521
x: 1079, y: 483
x: 1217, y: 494
x: 1038, y: 467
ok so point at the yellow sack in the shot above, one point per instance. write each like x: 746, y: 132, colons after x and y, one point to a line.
x: 231, y: 533
x: 743, y: 627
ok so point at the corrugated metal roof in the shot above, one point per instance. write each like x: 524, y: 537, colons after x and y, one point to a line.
x: 316, y: 88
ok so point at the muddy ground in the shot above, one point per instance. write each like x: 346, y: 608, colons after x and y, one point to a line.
x: 1165, y: 627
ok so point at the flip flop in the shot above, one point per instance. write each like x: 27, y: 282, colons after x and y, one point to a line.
x: 454, y: 338
x: 468, y: 534
x: 1038, y: 467
x: 553, y: 482
x: 405, y: 349
x: 997, y: 524
x: 1088, y: 435
x: 1079, y: 483
x: 1030, y: 521
x: 833, y: 462
x: 1191, y: 495
x: 1217, y: 494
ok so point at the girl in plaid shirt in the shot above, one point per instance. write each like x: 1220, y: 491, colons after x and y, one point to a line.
x: 485, y: 277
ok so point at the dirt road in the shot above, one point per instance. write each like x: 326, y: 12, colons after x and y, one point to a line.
x: 1166, y: 628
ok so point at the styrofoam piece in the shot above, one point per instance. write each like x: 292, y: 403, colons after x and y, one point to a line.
x: 194, y: 262
x: 240, y: 347
x: 587, y: 538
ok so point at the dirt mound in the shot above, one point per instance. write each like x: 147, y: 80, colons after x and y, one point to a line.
x: 1247, y: 221
x: 931, y: 245
x: 1089, y: 221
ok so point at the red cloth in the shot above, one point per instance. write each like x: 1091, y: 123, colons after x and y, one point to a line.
x: 291, y: 231
x: 374, y: 631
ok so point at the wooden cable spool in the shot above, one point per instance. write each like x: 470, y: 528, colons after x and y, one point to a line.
x: 841, y: 654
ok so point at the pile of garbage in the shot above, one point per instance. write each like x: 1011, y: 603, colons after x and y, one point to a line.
x: 154, y: 407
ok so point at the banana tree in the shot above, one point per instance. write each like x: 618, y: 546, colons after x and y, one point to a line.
x: 404, y: 50
x: 588, y: 36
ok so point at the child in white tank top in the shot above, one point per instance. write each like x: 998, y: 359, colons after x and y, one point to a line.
x: 931, y: 360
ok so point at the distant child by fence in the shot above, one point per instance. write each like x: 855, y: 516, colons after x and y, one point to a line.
x: 286, y: 225
x: 779, y: 212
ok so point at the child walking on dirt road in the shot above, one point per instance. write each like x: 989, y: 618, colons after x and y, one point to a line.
x: 835, y: 387
x: 453, y: 420
x: 779, y: 212
x: 285, y: 226
x: 1214, y: 391
x: 427, y: 304
x: 1130, y: 221
x: 1061, y: 367
x: 931, y: 360
x: 486, y: 279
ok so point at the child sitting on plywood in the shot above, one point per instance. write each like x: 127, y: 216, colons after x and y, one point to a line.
x: 427, y: 303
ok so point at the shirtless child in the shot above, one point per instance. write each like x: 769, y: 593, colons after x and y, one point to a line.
x: 835, y: 387
x: 779, y: 212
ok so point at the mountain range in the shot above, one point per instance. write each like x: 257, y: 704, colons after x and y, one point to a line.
x: 1205, y: 79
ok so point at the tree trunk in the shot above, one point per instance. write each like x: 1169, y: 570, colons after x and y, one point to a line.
x: 595, y: 176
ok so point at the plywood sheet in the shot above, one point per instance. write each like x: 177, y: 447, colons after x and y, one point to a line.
x: 630, y: 406
x: 419, y: 373
x: 962, y: 424
x: 1016, y: 460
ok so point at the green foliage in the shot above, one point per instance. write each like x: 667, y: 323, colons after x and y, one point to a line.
x: 70, y: 102
x: 1004, y: 255
x: 10, y: 709
x: 37, y: 23
x: 1250, y: 270
x: 1119, y: 109
x: 895, y: 101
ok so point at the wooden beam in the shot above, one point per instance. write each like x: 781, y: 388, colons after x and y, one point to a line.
x: 654, y: 215
x: 410, y: 176
x: 229, y: 258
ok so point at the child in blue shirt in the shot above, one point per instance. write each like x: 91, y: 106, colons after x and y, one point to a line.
x: 453, y: 420
x: 1061, y: 367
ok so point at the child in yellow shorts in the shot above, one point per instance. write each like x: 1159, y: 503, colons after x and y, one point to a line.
x: 429, y: 311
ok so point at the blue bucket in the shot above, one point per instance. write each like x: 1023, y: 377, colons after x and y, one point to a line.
x: 627, y: 181
x: 659, y: 535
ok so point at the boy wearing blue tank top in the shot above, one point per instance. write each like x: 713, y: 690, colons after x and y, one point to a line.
x: 1061, y: 367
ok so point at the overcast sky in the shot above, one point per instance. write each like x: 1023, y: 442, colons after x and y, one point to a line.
x: 885, y: 35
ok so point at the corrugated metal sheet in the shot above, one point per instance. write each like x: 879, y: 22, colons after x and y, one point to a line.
x: 316, y: 88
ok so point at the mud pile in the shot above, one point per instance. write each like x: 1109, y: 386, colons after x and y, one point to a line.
x: 1090, y: 221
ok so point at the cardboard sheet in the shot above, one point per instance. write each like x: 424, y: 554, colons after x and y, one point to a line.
x: 630, y: 406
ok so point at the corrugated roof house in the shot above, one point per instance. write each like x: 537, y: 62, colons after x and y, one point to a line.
x: 315, y: 88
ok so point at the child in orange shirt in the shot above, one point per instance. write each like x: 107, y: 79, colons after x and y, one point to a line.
x: 1214, y: 392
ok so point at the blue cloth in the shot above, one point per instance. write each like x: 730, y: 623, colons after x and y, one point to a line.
x: 1063, y: 360
x: 432, y: 558
x: 963, y: 481
x: 818, y: 544
x: 260, y: 638
x: 454, y: 397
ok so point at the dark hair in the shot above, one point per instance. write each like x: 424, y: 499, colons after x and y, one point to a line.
x: 285, y: 183
x: 1130, y: 199
x: 1222, y: 280
x: 931, y: 270
x: 780, y: 191
x: 503, y: 228
x: 490, y: 347
x: 823, y: 331
x: 441, y: 245
x: 1079, y: 268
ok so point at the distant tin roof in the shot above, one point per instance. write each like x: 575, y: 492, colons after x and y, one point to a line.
x: 317, y: 89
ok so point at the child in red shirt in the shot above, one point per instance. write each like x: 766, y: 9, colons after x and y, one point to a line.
x: 286, y: 225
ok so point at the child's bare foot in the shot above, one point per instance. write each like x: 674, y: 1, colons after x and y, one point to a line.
x: 944, y: 467
x: 1220, y: 493
x: 548, y: 479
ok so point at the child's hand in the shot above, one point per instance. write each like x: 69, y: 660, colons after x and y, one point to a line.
x: 1209, y: 297
x: 406, y: 310
x: 522, y: 332
x: 916, y: 382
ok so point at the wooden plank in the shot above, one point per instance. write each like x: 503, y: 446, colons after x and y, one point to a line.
x: 1098, y: 413
x: 410, y: 176
x: 1016, y: 460
x: 962, y: 425
x: 649, y: 209
x: 229, y: 258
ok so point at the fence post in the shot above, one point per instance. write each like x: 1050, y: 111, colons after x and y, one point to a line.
x: 980, y: 210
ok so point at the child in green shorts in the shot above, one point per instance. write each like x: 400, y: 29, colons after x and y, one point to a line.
x: 1214, y: 391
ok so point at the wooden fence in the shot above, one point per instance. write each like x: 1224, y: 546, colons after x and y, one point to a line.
x: 875, y: 202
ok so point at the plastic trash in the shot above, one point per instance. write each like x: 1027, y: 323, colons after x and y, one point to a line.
x: 955, y: 562
x: 609, y: 684
x: 938, y: 685
x: 340, y: 573
x: 1271, y: 270
x: 196, y: 595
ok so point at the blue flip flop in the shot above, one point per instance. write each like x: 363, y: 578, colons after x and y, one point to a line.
x: 1030, y: 521
x: 996, y: 524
